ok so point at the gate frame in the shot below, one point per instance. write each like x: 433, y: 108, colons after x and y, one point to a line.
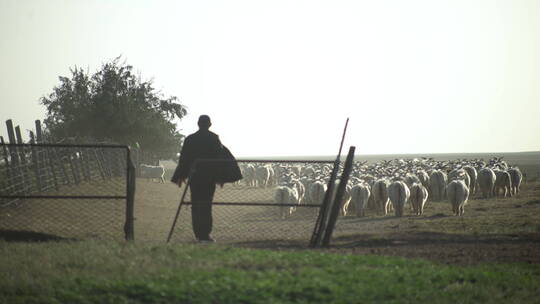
x: 129, y: 234
x: 330, y: 188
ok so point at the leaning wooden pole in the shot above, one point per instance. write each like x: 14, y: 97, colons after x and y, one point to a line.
x: 336, y: 206
x: 129, y: 226
x: 320, y: 224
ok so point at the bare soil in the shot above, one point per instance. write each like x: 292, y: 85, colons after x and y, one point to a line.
x: 500, y: 230
x: 495, y: 230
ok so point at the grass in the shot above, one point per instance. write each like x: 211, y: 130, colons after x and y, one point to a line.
x: 112, y: 272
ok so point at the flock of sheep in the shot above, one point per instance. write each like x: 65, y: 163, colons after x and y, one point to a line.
x: 388, y: 185
x: 383, y: 186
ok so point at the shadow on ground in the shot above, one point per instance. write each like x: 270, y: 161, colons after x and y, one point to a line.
x: 28, y: 236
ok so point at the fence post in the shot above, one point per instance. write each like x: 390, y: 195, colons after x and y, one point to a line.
x: 320, y: 223
x: 99, y: 163
x: 73, y: 164
x: 336, y: 206
x: 50, y: 157
x: 57, y: 161
x: 35, y: 161
x: 9, y: 176
x: 129, y: 226
x: 22, y: 155
x: 16, y: 172
x: 27, y: 183
x: 323, y: 212
x: 83, y: 163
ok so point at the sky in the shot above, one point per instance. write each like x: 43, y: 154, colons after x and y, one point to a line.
x: 281, y: 77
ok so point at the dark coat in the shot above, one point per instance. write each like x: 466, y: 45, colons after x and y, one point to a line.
x: 204, y: 144
x: 229, y: 172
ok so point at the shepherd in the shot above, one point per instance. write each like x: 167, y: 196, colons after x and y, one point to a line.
x: 204, y: 162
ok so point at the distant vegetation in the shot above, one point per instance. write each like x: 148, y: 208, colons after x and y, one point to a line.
x: 114, y: 105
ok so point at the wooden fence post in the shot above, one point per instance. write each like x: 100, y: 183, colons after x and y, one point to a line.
x: 16, y: 178
x: 99, y: 163
x: 85, y: 163
x: 9, y: 177
x: 36, y: 164
x: 27, y: 182
x: 47, y: 170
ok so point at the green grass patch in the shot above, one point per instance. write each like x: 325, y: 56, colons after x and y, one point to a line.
x: 109, y: 272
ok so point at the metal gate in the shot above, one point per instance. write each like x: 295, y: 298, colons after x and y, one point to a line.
x: 248, y: 212
x: 66, y: 191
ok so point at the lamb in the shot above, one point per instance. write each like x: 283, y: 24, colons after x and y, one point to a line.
x: 399, y: 194
x: 360, y: 194
x: 286, y: 195
x: 516, y: 177
x: 151, y: 172
x: 486, y: 181
x: 458, y: 194
x: 419, y: 196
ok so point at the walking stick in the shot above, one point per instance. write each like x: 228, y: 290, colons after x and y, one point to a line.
x: 181, y: 202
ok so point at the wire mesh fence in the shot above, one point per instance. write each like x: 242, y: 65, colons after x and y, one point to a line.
x: 72, y: 191
x: 253, y: 210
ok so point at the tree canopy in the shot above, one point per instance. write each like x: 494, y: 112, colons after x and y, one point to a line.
x: 114, y: 105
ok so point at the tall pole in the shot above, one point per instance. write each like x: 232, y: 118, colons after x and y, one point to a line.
x: 320, y: 224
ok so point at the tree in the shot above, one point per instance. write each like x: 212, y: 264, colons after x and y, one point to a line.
x: 114, y: 105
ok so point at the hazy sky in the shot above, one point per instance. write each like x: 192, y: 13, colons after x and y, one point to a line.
x: 281, y: 77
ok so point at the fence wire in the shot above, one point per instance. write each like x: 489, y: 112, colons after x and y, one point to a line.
x: 72, y: 191
x: 250, y: 211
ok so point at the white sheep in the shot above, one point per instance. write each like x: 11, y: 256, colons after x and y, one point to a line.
x: 317, y: 191
x: 360, y: 194
x: 503, y: 183
x: 437, y: 185
x: 458, y: 194
x: 423, y: 177
x: 516, y: 177
x: 249, y: 175
x: 486, y: 181
x: 345, y: 199
x: 151, y: 172
x: 473, y: 175
x: 419, y: 196
x: 262, y: 176
x: 399, y: 194
x: 380, y: 196
x: 286, y: 195
x: 460, y: 174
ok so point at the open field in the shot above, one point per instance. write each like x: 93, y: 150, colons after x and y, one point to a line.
x: 490, y: 255
x: 498, y: 229
x: 140, y: 272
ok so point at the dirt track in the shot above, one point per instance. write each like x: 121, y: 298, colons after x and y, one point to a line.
x: 492, y: 230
